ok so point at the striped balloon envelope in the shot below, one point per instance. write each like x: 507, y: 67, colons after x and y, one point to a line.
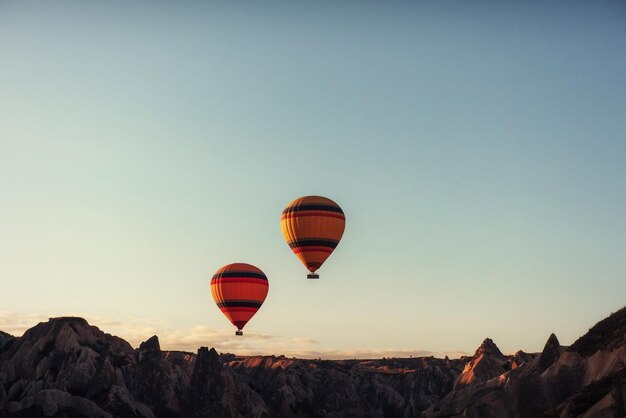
x: 312, y: 227
x: 239, y: 290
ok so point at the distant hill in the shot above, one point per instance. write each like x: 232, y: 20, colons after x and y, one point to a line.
x: 66, y: 368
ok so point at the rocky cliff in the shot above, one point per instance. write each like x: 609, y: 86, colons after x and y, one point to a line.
x: 585, y: 380
x: 67, y: 368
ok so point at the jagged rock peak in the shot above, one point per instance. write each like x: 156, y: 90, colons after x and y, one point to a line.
x: 151, y: 345
x: 488, y: 347
x: 208, y: 357
x: 551, y: 352
x: 207, y: 386
x: 552, y: 342
x: 149, y: 350
x: 519, y: 358
x: 207, y: 367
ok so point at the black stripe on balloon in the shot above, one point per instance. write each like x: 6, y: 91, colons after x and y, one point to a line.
x: 231, y: 273
x: 314, y: 264
x: 239, y: 304
x: 312, y: 207
x: 313, y: 243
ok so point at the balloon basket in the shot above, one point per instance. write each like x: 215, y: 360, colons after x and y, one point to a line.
x: 239, y: 332
x: 313, y: 276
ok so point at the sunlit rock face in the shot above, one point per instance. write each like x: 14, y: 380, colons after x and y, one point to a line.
x: 66, y: 368
x: 520, y: 358
x: 487, y: 362
x: 586, y: 380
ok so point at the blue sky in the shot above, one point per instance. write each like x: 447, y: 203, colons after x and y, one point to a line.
x: 478, y: 151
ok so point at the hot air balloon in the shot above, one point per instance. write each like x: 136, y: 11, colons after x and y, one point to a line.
x: 239, y: 290
x: 312, y: 227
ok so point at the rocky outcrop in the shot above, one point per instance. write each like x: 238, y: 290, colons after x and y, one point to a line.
x: 66, y: 368
x: 550, y: 353
x: 607, y: 335
x: 206, y: 386
x: 489, y: 348
x: 560, y: 382
x: 519, y: 358
x: 487, y: 362
x: 54, y: 402
x: 353, y: 388
x: 5, y: 339
x: 152, y: 380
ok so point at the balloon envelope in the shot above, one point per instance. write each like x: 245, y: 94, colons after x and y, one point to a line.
x: 312, y: 227
x: 239, y: 290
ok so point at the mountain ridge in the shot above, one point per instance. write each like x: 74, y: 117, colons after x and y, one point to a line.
x: 66, y: 367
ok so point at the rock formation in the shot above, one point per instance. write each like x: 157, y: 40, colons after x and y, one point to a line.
x: 487, y: 362
x: 585, y: 380
x: 66, y: 368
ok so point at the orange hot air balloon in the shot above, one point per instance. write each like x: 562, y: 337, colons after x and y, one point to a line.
x: 312, y: 227
x: 239, y: 290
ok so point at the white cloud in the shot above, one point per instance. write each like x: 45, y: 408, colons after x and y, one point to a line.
x: 17, y: 324
x: 136, y: 330
x: 304, y: 341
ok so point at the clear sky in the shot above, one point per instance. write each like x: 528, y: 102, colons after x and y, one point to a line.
x: 478, y: 150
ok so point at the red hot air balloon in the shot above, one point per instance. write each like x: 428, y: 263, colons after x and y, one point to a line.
x: 239, y: 290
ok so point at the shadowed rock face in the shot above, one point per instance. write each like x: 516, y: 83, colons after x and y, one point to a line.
x: 5, y: 339
x: 551, y: 352
x: 206, y: 386
x: 608, y: 334
x: 67, y: 368
x: 354, y: 388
